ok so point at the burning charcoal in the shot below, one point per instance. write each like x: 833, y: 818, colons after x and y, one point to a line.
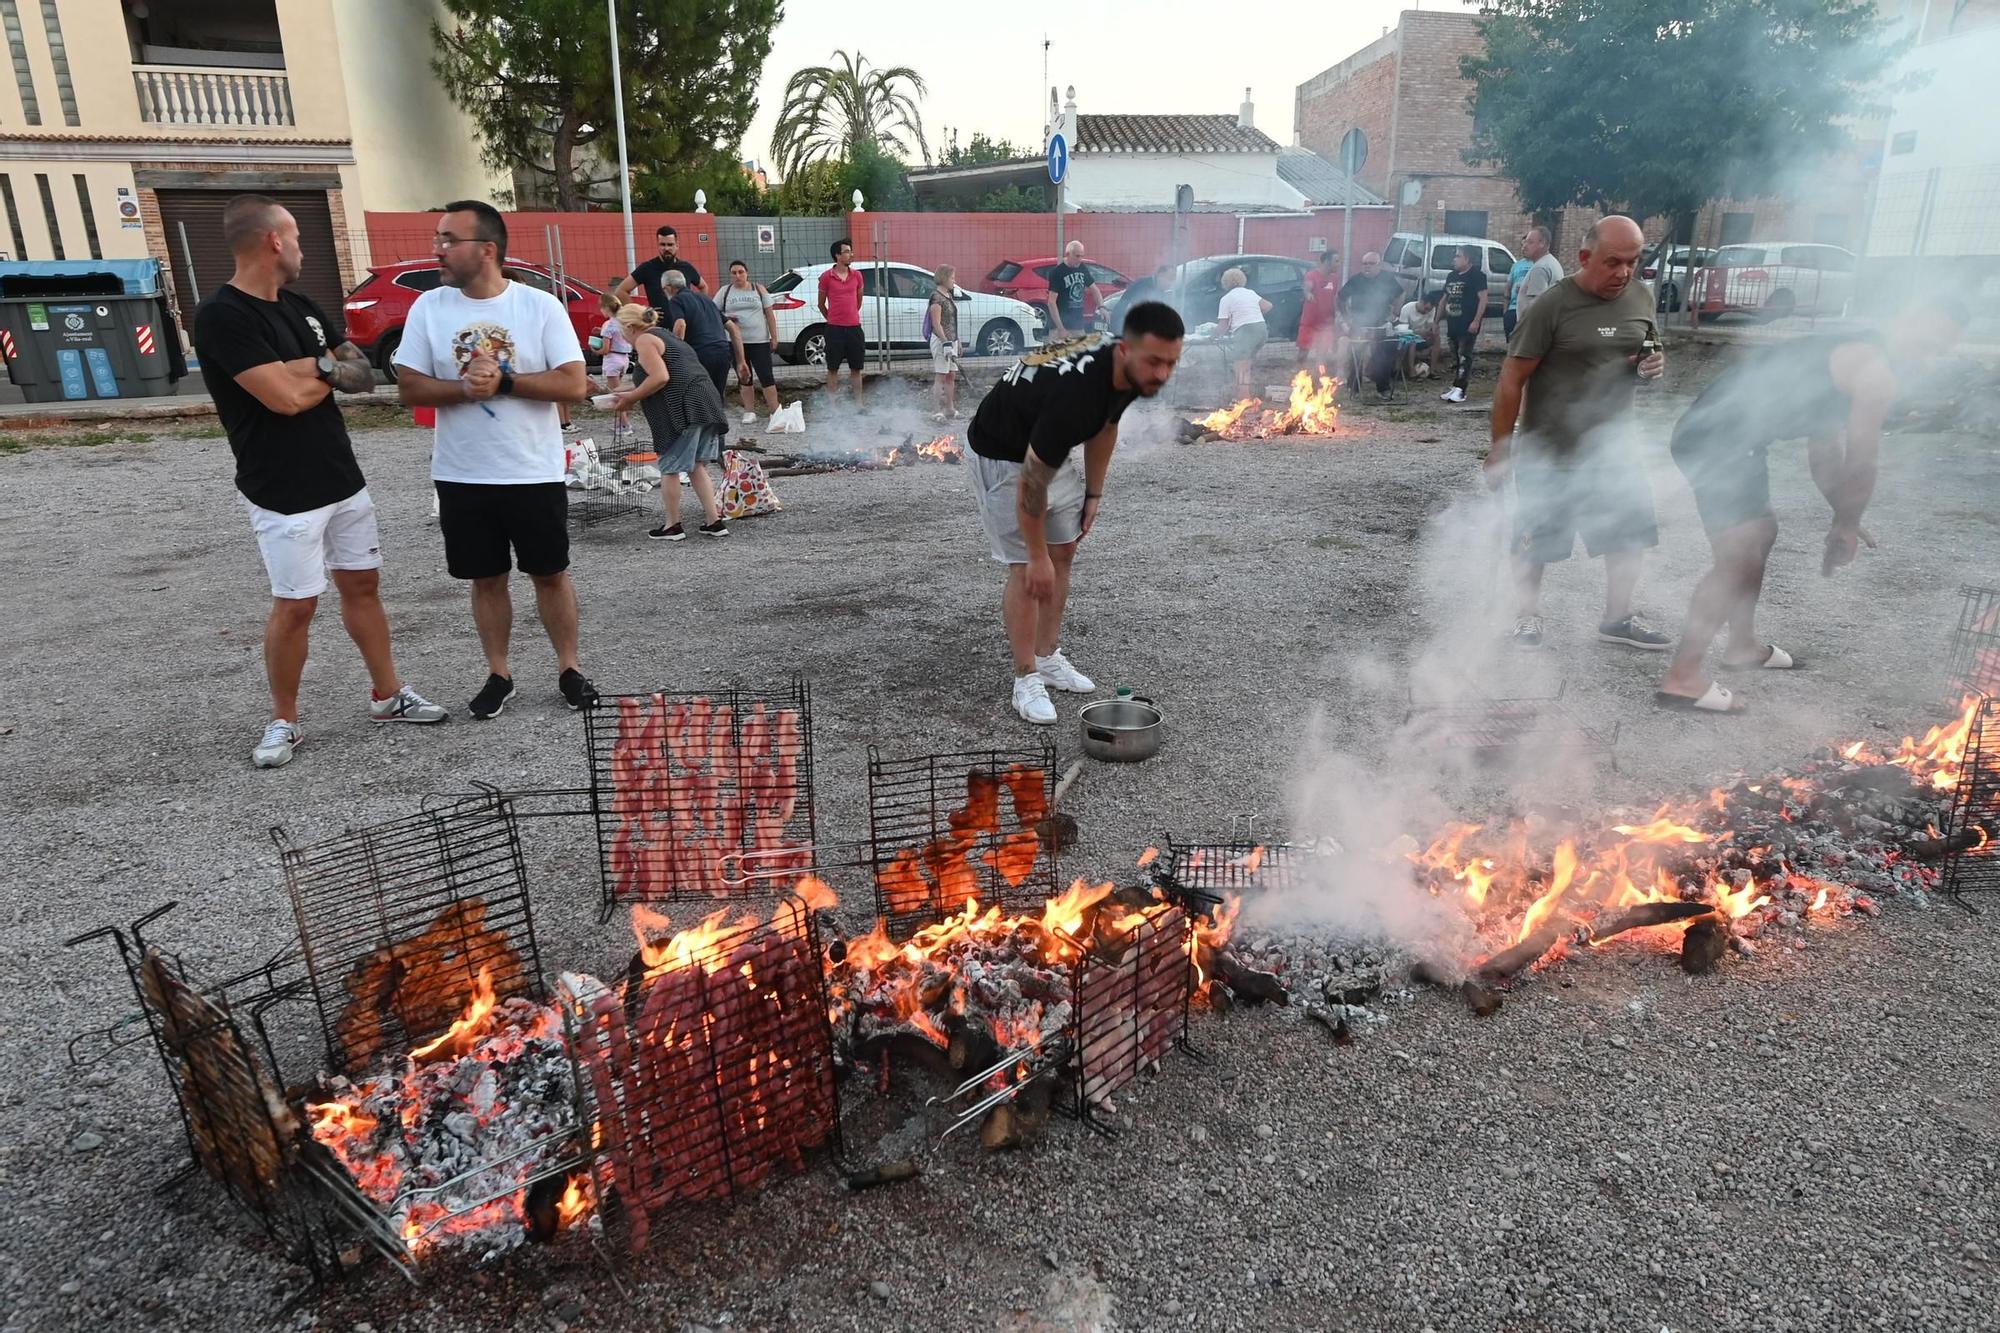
x: 1483, y: 1001
x: 1343, y: 1035
x: 1248, y: 983
x: 1427, y: 973
x: 542, y: 1208
x: 885, y: 1173
x: 1642, y: 915
x: 1703, y: 944
x: 1355, y: 988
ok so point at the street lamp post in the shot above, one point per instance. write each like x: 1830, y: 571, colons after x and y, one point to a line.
x: 618, y: 112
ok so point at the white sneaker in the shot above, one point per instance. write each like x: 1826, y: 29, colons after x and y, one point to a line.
x: 282, y: 737
x: 406, y: 705
x: 749, y: 418
x: 1057, y: 673
x: 1453, y: 395
x: 1031, y: 700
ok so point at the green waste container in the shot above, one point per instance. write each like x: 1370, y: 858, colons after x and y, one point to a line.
x: 69, y: 336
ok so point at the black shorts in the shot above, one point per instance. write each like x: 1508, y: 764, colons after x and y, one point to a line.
x: 717, y: 359
x: 1731, y: 480
x: 481, y: 522
x: 1603, y: 497
x: 759, y: 357
x: 845, y: 345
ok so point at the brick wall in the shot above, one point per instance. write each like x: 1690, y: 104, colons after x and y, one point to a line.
x: 1360, y: 93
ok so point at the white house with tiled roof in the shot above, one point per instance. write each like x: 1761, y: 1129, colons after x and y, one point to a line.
x: 1137, y: 162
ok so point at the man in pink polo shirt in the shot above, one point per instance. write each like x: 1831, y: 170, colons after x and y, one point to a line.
x: 840, y: 306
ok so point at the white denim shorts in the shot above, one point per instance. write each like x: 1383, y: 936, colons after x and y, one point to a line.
x: 299, y: 548
x: 996, y: 486
x: 944, y: 356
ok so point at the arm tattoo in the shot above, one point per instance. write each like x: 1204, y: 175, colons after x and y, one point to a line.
x: 1035, y: 478
x: 352, y: 373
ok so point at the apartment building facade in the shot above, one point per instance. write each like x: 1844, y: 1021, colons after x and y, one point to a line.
x: 128, y: 124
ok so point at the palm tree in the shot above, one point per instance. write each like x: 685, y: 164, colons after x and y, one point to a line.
x: 830, y: 109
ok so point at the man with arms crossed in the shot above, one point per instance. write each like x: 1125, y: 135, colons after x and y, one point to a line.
x: 1576, y: 356
x: 840, y: 307
x: 1835, y: 390
x: 265, y: 361
x: 494, y: 358
x: 1034, y: 502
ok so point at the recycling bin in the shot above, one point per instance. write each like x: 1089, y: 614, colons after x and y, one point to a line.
x: 74, y: 331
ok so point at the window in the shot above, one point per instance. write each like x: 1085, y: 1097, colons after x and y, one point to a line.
x: 418, y: 279
x: 1736, y: 227
x: 1271, y: 278
x: 786, y: 281
x: 1395, y: 255
x: 59, y: 57
x: 871, y: 281
x: 1108, y: 277
x: 1442, y: 256
x: 1464, y: 223
x: 1498, y: 261
x: 1044, y: 272
x: 541, y: 282
x: 89, y: 216
x: 13, y: 217
x: 1833, y: 259
x: 1740, y: 256
x: 49, y: 213
x: 1903, y: 143
x: 24, y: 78
x: 1799, y: 256
x: 1003, y: 271
x: 910, y: 284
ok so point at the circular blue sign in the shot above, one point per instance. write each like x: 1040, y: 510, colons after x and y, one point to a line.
x: 1058, y: 159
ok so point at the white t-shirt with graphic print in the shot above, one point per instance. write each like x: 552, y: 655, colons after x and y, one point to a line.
x: 527, y: 331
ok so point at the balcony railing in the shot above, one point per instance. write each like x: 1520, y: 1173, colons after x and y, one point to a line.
x: 212, y: 97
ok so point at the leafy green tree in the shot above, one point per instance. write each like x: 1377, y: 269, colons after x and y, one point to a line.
x: 882, y: 178
x: 535, y: 76
x: 981, y: 151
x: 1659, y: 106
x: 814, y: 190
x: 830, y: 110
x: 1013, y: 199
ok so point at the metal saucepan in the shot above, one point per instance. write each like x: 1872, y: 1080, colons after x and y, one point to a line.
x: 1122, y: 731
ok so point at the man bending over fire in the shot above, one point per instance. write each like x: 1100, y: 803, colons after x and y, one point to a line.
x: 1034, y: 502
x: 1835, y: 390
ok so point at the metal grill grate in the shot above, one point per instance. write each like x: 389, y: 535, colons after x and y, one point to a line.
x: 1973, y: 827
x: 684, y: 784
x: 710, y: 1071
x: 1975, y: 646
x: 399, y: 921
x: 947, y: 827
x: 1201, y: 875
x: 1132, y: 996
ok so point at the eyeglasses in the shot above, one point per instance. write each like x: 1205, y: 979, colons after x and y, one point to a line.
x: 446, y: 242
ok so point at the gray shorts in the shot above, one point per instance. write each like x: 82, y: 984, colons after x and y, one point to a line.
x: 996, y: 486
x: 1246, y: 342
x: 1601, y: 495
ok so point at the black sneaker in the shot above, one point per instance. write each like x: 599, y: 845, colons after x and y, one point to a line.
x: 577, y: 691
x: 1634, y: 632
x: 715, y: 529
x: 673, y: 534
x: 491, y: 701
x: 1384, y: 395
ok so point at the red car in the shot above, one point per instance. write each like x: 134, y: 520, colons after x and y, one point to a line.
x: 377, y: 308
x: 1028, y: 280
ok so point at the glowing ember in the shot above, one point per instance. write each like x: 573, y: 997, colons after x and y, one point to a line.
x: 944, y: 449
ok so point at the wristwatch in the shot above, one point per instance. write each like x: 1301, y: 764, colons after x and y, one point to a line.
x: 327, y: 365
x: 506, y: 383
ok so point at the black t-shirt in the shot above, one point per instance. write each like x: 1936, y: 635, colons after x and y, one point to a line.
x: 284, y: 464
x: 1367, y: 301
x: 648, y: 275
x: 1460, y: 295
x: 705, y: 329
x: 1050, y: 403
x: 1070, y: 286
x: 1775, y: 393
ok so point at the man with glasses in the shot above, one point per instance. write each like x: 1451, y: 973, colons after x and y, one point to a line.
x: 494, y: 358
x: 649, y: 274
x: 1366, y: 304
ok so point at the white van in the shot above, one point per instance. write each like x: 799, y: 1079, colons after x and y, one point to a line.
x: 1404, y: 256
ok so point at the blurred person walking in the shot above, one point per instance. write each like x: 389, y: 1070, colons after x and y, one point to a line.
x: 265, y: 361
x: 649, y: 276
x: 1240, y: 315
x: 683, y: 408
x: 1544, y: 272
x: 840, y: 307
x: 941, y: 325
x: 1462, y: 303
x: 1034, y: 503
x: 1366, y: 306
x: 747, y: 307
x: 1071, y: 295
x: 698, y: 321
x: 494, y: 357
x: 1316, y: 314
x: 1834, y: 390
x: 1155, y: 286
x: 1578, y: 354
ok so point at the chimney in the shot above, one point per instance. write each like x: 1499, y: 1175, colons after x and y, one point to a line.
x: 1246, y: 115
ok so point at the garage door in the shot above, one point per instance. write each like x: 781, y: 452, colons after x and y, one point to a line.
x: 199, y: 212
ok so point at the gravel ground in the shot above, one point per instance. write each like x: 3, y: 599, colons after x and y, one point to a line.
x: 1807, y: 1140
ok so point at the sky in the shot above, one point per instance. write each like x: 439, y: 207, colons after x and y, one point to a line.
x: 983, y: 62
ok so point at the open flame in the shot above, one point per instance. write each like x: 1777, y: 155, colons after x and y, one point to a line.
x: 944, y: 449
x: 461, y: 1033
x: 1309, y: 410
x: 576, y: 1202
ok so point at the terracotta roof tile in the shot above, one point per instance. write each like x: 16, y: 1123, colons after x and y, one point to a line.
x: 1168, y: 134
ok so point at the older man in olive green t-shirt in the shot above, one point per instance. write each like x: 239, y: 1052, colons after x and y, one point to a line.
x: 1577, y: 355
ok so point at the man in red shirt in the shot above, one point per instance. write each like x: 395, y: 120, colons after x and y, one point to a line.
x: 840, y: 306
x: 1316, y: 315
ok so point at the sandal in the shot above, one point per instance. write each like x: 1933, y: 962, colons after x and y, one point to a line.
x: 1713, y: 700
x: 1775, y: 659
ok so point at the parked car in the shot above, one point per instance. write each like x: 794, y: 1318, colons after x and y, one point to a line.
x: 1773, y: 279
x: 377, y: 308
x: 1197, y: 290
x: 988, y: 325
x: 1028, y: 280
x: 1404, y: 256
x: 1669, y: 277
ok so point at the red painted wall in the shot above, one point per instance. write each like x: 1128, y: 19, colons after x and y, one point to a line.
x: 593, y: 244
